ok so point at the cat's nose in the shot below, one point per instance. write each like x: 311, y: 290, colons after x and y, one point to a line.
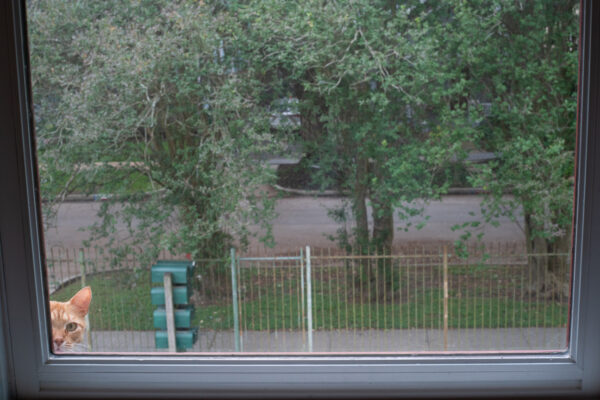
x: 58, y: 342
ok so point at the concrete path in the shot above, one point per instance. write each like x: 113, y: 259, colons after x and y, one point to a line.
x: 409, y: 340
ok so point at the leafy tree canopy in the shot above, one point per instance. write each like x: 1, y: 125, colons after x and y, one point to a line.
x: 149, y: 86
x: 389, y: 95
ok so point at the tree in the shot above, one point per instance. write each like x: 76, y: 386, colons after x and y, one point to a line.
x: 389, y: 94
x: 148, y: 96
x: 526, y: 67
x: 379, y: 110
x: 380, y: 113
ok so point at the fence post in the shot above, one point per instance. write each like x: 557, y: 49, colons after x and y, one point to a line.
x: 168, y: 284
x: 309, y: 300
x: 445, y: 298
x: 234, y: 299
x: 88, y: 334
x: 302, y: 305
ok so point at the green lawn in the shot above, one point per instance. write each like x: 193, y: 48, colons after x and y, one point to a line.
x: 119, y: 302
x: 122, y: 302
x: 107, y: 181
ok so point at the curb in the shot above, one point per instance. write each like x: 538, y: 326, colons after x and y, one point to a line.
x: 334, y: 193
x: 81, y: 198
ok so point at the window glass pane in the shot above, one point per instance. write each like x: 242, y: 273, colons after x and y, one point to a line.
x: 262, y: 176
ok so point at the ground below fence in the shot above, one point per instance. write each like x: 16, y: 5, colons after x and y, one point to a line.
x: 392, y: 341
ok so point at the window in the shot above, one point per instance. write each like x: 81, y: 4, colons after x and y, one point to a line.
x: 34, y: 372
x: 379, y: 278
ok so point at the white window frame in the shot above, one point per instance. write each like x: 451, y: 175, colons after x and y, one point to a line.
x: 31, y: 371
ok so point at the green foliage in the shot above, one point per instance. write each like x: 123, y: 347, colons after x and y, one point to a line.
x: 390, y: 97
x: 155, y: 89
x: 376, y: 105
x: 526, y: 68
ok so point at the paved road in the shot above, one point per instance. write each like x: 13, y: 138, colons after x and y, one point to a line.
x: 304, y: 221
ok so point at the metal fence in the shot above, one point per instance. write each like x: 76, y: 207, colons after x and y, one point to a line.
x: 328, y: 300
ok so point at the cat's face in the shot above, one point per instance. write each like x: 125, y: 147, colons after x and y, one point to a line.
x: 68, y: 321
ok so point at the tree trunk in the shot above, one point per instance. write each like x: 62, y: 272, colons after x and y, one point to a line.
x: 383, y: 226
x: 383, y: 222
x: 383, y: 237
x: 359, y: 205
x: 548, y: 262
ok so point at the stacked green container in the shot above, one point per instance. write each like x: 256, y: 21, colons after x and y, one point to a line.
x: 181, y: 277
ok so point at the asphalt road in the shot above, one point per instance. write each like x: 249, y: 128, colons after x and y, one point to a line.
x: 304, y: 221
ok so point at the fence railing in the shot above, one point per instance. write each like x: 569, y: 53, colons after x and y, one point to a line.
x: 329, y: 300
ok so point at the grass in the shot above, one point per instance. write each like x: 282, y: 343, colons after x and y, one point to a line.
x: 107, y: 181
x: 121, y: 301
x: 330, y: 314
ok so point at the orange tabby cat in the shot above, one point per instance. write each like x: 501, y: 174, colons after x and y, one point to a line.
x: 68, y: 321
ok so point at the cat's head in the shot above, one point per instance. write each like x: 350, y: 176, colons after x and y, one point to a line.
x: 68, y: 320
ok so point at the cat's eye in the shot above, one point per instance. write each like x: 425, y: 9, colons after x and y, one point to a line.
x: 71, y: 326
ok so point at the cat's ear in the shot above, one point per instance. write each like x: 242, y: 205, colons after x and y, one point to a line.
x: 81, y: 301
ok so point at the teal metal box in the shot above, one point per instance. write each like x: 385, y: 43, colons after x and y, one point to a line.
x: 183, y: 318
x: 190, y: 264
x: 183, y: 339
x: 180, y: 295
x: 181, y: 272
